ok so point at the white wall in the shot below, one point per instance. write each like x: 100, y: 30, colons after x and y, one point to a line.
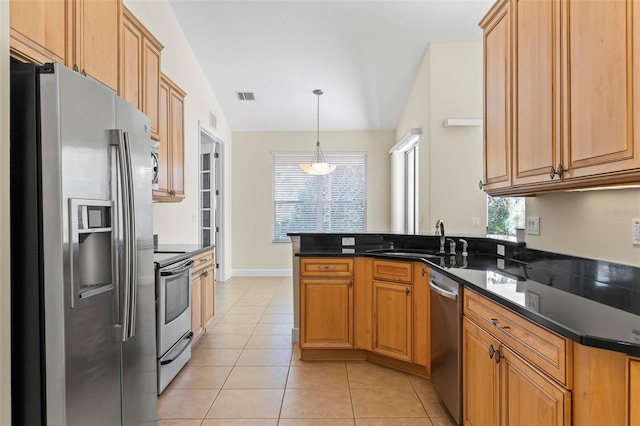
x: 178, y: 222
x: 448, y: 85
x: 593, y: 224
x: 5, y: 278
x: 253, y: 249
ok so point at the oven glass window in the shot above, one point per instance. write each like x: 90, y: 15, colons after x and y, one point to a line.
x: 177, y: 300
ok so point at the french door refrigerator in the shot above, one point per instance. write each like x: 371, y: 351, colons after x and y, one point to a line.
x: 83, y: 337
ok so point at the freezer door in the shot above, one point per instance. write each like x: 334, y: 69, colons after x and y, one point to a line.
x: 139, y: 358
x: 82, y: 347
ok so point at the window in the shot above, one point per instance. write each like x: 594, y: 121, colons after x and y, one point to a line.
x: 336, y: 202
x: 504, y: 215
x: 411, y: 190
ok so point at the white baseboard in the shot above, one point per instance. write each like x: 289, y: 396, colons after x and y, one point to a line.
x: 262, y: 273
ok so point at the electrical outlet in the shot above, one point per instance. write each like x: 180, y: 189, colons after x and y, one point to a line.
x: 635, y: 232
x: 475, y: 221
x: 348, y: 241
x: 500, y: 250
x: 532, y: 301
x: 533, y: 225
x: 500, y: 263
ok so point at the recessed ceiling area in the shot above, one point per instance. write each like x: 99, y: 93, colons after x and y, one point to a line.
x: 364, y: 55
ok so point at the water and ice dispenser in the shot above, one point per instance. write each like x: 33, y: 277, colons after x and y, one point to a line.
x: 92, y: 248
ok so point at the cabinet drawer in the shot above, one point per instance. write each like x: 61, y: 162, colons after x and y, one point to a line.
x: 536, y: 344
x: 318, y: 266
x: 202, y: 260
x: 393, y: 271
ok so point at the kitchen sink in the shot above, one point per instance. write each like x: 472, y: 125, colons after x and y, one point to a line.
x: 409, y: 253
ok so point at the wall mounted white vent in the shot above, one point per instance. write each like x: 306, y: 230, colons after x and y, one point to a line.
x: 462, y: 122
x: 246, y: 96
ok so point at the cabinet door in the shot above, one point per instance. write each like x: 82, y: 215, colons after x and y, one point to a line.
x: 497, y: 99
x: 528, y: 397
x: 96, y: 39
x: 392, y: 320
x: 39, y: 30
x: 176, y: 136
x: 208, y: 295
x: 151, y: 84
x: 602, y: 77
x: 196, y: 307
x: 536, y: 86
x: 634, y: 392
x: 480, y: 385
x: 131, y: 76
x: 326, y: 313
x: 163, y: 151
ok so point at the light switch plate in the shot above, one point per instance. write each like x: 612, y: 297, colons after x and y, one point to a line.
x: 500, y: 250
x: 635, y: 232
x: 533, y: 225
x: 500, y: 263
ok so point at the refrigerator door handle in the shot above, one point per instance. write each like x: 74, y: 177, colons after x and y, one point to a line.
x: 124, y: 191
x: 133, y: 243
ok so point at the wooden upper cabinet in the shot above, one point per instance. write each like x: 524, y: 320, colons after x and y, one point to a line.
x: 96, y: 35
x: 497, y: 97
x: 536, y: 90
x: 39, y: 30
x: 602, y: 81
x: 140, y: 69
x: 171, y: 150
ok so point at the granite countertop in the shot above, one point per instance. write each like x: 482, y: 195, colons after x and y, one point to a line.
x: 166, y: 254
x: 595, y: 305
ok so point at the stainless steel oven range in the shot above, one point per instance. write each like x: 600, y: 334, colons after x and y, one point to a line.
x: 173, y: 314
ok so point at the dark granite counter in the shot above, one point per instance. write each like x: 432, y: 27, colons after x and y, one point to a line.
x: 166, y: 254
x: 594, y: 303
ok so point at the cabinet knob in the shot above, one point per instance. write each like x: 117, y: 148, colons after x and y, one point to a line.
x: 498, y: 356
x: 497, y: 324
x: 205, y: 274
x: 351, y: 283
x: 424, y: 272
x: 492, y: 351
x: 557, y: 171
x: 407, y: 291
x: 75, y: 68
x: 481, y: 184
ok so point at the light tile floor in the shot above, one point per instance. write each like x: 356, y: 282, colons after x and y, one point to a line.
x: 245, y: 371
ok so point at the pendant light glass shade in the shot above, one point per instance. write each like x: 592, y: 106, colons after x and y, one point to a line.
x: 318, y: 164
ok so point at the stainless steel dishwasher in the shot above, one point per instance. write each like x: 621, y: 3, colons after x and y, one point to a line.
x: 446, y: 342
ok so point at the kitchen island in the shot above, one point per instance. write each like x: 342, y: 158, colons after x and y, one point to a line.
x: 572, y: 322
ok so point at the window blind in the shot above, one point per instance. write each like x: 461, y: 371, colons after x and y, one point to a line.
x: 336, y: 202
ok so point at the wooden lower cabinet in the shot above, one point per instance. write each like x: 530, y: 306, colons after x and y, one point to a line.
x: 202, y: 293
x: 392, y: 320
x: 326, y: 313
x: 499, y: 387
x: 528, y: 397
x: 480, y: 385
x: 633, y: 399
x: 197, y: 326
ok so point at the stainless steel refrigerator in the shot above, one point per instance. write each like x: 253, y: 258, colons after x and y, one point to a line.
x: 83, y: 336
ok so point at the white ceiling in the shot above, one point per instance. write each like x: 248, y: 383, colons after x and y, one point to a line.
x: 363, y: 54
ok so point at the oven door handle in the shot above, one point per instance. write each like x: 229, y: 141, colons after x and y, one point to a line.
x: 177, y: 271
x: 186, y: 341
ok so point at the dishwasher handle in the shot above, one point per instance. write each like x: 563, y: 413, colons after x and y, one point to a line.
x: 442, y: 292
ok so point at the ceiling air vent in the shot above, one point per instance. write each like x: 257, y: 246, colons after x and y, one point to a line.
x: 246, y: 96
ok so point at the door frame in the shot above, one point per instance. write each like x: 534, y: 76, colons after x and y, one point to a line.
x: 219, y: 147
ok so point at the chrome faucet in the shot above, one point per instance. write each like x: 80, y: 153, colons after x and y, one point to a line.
x: 440, y: 231
x: 465, y: 245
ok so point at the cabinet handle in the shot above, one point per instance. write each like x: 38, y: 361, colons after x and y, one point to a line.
x: 560, y: 170
x: 492, y: 351
x: 498, y: 356
x: 497, y: 324
x: 84, y: 72
x: 205, y: 274
x: 351, y: 283
x: 424, y: 272
x: 328, y: 267
x: 203, y: 260
x: 407, y: 291
x: 552, y: 173
x: 481, y: 184
x: 75, y: 68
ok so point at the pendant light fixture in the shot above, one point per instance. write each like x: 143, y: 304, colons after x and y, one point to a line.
x: 318, y: 165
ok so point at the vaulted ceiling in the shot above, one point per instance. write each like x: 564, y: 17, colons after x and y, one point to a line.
x: 364, y: 55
